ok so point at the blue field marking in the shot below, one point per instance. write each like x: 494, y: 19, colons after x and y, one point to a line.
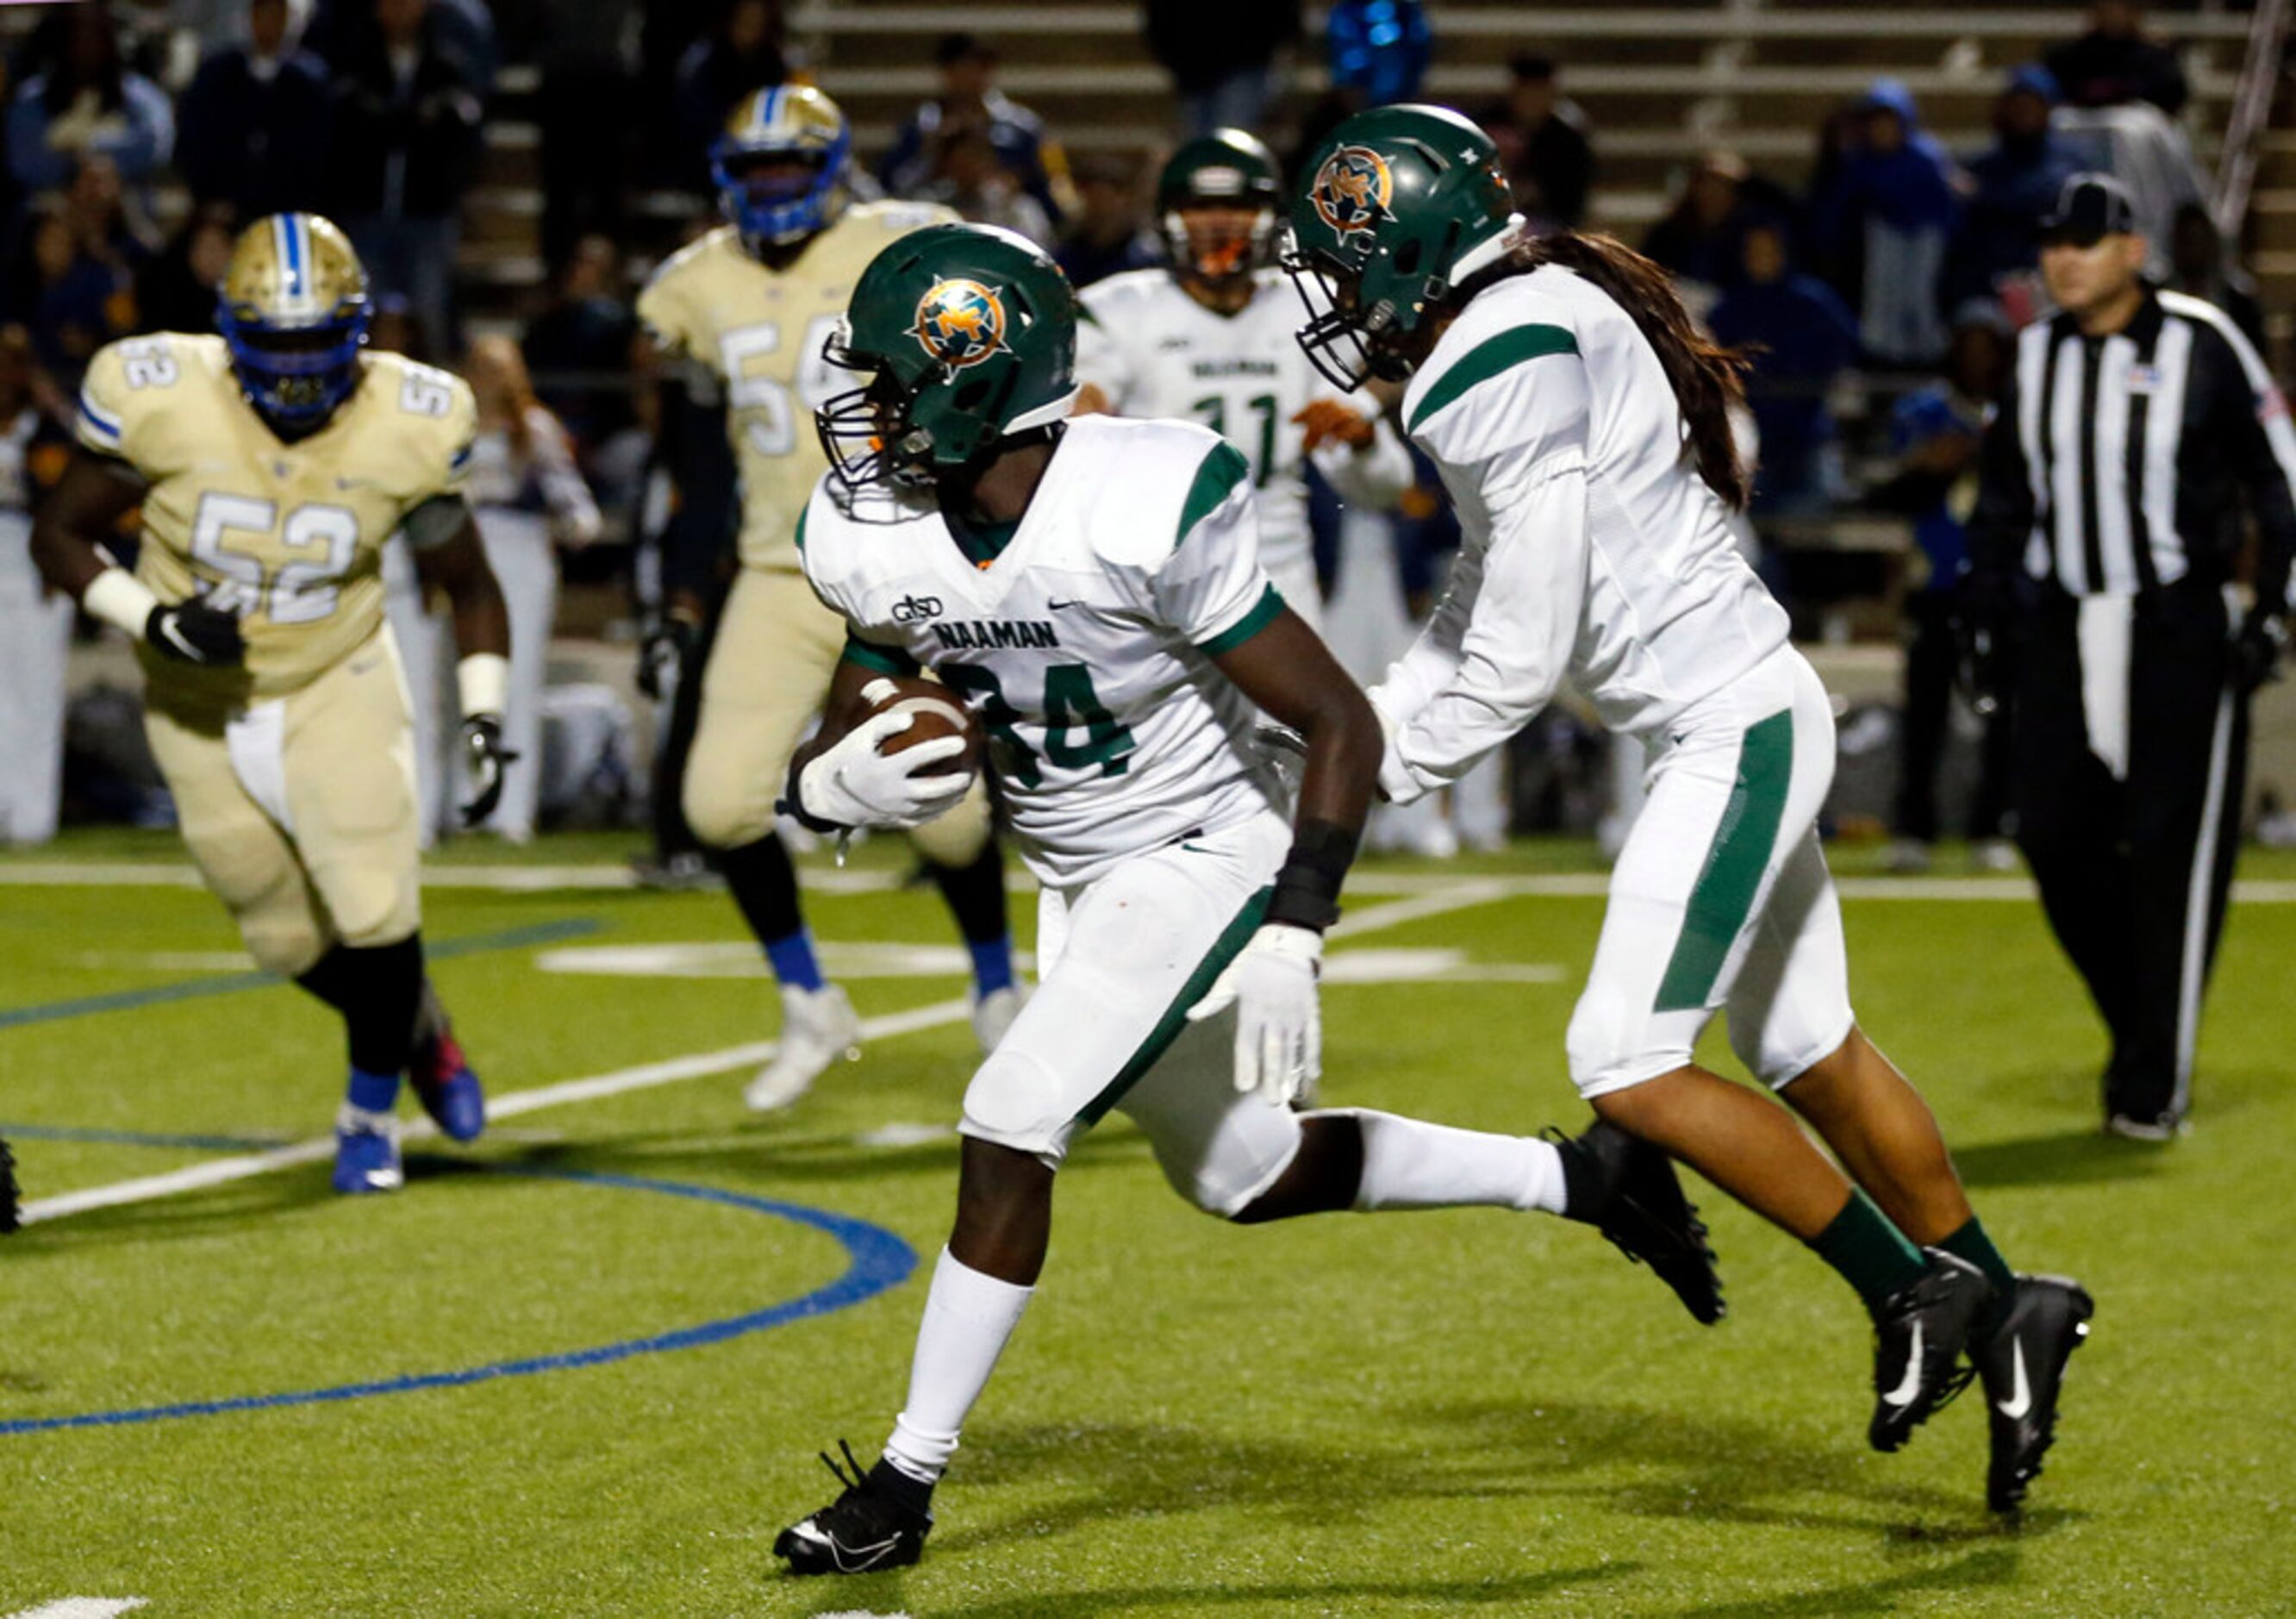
x: 231, y: 984
x: 880, y: 1260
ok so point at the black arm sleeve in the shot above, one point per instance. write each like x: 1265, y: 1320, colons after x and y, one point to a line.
x: 2253, y: 418
x: 2004, y: 516
x: 693, y: 450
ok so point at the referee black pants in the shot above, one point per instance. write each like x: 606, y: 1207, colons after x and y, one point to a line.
x: 2134, y: 869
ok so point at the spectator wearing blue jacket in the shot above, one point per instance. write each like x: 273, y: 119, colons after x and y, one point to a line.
x: 257, y: 120
x: 1801, y: 338
x: 1935, y: 432
x: 1882, y: 225
x: 2013, y: 183
x: 87, y: 103
x: 969, y: 100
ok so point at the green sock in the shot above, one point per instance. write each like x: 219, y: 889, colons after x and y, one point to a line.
x: 1872, y: 1255
x: 1970, y: 1243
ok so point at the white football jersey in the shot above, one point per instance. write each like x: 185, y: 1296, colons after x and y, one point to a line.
x: 1086, y: 645
x: 1591, y: 548
x: 1155, y: 351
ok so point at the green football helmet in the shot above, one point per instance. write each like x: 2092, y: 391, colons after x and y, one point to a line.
x: 970, y: 333
x: 1401, y: 205
x: 1227, y: 168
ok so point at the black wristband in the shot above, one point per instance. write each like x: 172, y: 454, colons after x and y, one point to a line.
x: 1307, y: 887
x: 793, y: 806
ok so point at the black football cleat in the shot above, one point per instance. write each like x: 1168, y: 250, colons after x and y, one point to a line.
x: 11, y: 1209
x: 867, y: 1529
x: 1626, y: 1189
x: 1921, y: 1331
x: 2023, y: 1368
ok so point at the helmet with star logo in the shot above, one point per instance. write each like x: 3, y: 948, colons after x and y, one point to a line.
x: 1219, y: 203
x: 1399, y: 206
x: 968, y: 333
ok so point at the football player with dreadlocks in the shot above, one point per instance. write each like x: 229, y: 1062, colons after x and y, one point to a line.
x: 270, y: 464
x: 1106, y: 617
x: 747, y: 308
x: 1580, y: 424
x: 1208, y: 338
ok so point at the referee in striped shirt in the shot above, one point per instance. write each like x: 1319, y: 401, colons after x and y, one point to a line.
x: 2138, y: 443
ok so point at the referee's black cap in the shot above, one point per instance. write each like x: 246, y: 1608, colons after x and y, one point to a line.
x: 2089, y: 207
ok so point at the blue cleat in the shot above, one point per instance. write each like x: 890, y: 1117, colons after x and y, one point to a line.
x: 366, y: 1152
x: 446, y: 1085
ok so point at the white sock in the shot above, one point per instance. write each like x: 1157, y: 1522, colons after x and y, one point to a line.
x: 967, y: 1318
x: 1408, y: 1163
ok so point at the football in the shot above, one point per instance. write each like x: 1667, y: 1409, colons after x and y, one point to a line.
x: 939, y: 712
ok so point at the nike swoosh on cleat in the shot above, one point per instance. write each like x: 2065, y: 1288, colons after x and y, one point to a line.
x: 2021, y: 1397
x: 1910, y: 1390
x: 864, y: 1556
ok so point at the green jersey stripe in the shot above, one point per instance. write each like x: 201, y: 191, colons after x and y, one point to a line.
x: 884, y: 660
x: 1221, y: 472
x: 1486, y: 360
x: 1225, y: 950
x: 1723, y: 897
x: 1264, y: 612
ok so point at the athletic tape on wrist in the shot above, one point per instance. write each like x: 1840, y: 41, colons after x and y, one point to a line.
x: 483, y: 679
x: 121, y: 599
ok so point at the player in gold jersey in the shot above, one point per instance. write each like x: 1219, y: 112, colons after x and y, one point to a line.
x: 270, y: 463
x: 751, y: 305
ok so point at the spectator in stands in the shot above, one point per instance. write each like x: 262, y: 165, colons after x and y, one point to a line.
x: 176, y: 291
x: 2199, y: 265
x: 2014, y: 184
x: 1378, y: 50
x: 1935, y: 432
x: 84, y: 102
x: 1882, y: 226
x: 969, y: 98
x: 341, y: 31
x: 1701, y: 239
x: 255, y: 120
x: 406, y: 148
x: 70, y: 295
x: 1222, y: 55
x: 528, y: 498
x: 581, y: 338
x: 973, y: 178
x: 1801, y: 340
x: 1542, y: 140
x: 583, y: 67
x: 2115, y: 62
x: 746, y: 52
x: 1109, y: 233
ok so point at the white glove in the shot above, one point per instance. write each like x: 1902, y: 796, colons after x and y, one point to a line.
x: 1279, y: 1027
x: 853, y: 784
x: 1396, y: 783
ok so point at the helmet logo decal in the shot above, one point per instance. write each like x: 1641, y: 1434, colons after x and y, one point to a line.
x: 960, y: 322
x: 1352, y: 190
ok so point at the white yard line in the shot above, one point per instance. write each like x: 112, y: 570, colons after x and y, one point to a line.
x: 644, y: 1076
x: 81, y: 1608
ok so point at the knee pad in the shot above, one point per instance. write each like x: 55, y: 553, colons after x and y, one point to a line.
x: 372, y: 909
x: 1613, y: 1044
x: 285, y: 941
x: 1017, y: 1101
x: 721, y: 816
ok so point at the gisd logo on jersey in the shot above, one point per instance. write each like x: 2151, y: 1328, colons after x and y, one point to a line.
x: 1352, y: 191
x: 960, y: 324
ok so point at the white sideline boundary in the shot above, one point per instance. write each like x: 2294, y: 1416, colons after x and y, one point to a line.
x: 643, y: 1076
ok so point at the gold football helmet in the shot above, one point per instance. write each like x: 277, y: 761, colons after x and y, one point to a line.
x: 780, y: 165
x: 293, y: 308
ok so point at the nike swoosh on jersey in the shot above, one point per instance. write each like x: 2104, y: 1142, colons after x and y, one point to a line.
x: 2020, y: 1393
x: 1909, y: 1390
x: 1058, y: 606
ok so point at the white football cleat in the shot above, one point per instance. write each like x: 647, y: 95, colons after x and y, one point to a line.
x: 818, y: 1026
x: 993, y: 1014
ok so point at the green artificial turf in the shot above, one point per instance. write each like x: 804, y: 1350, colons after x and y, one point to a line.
x: 1436, y: 1413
